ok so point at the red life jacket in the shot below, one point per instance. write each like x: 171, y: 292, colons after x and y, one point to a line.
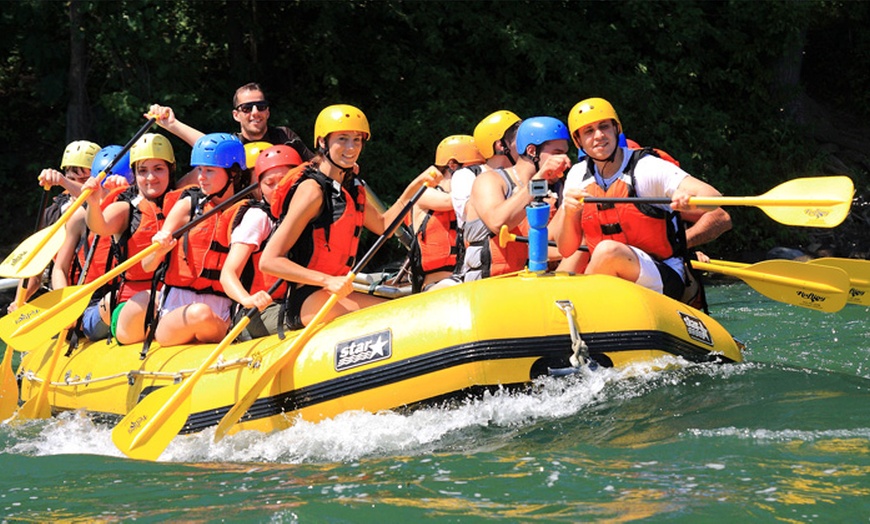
x: 436, y: 241
x: 144, y: 220
x: 652, y: 229
x: 196, y: 261
x: 329, y: 242
x: 252, y: 278
x: 102, y: 259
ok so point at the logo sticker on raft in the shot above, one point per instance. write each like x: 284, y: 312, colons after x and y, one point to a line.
x: 363, y: 350
x: 696, y: 329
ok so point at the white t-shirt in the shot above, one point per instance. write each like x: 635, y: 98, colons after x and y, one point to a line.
x: 460, y: 191
x: 254, y: 229
x: 655, y: 177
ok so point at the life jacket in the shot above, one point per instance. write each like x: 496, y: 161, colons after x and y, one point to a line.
x: 196, y: 261
x: 514, y: 255
x: 658, y: 232
x: 434, y: 247
x: 144, y: 220
x: 252, y: 278
x: 329, y: 242
x: 103, y: 256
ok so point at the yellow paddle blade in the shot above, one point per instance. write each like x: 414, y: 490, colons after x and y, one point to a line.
x: 859, y: 277
x: 815, y: 287
x: 131, y: 426
x: 32, y: 256
x: 30, y: 312
x: 8, y: 386
x: 152, y: 424
x: 37, y: 406
x: 809, y: 202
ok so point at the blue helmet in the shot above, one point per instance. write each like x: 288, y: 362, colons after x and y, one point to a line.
x: 218, y: 150
x: 540, y: 129
x: 105, y: 156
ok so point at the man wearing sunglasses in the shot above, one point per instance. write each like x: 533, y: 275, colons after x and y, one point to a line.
x: 250, y: 110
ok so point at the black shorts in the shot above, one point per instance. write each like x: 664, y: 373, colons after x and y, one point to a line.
x: 294, y: 305
x: 672, y: 285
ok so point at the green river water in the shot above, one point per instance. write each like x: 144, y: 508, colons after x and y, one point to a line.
x: 783, y: 437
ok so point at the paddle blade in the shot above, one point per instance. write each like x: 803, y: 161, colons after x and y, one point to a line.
x: 8, y: 386
x: 32, y: 256
x: 837, y: 191
x: 128, y: 435
x: 813, y: 287
x: 859, y: 277
x: 58, y: 319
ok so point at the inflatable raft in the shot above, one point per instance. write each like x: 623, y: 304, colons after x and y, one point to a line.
x: 419, y: 349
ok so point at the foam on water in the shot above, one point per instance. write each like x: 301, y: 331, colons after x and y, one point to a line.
x: 355, y: 435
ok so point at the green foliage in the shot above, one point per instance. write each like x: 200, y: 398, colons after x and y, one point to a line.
x: 696, y: 78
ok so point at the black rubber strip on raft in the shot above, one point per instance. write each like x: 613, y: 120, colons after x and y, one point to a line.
x: 553, y: 350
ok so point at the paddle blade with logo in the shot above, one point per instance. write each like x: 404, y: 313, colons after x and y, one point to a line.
x: 809, y: 202
x: 32, y: 256
x: 126, y: 435
x: 859, y: 277
x: 822, y: 288
x: 30, y: 311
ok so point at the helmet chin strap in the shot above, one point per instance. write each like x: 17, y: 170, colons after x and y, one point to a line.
x: 345, y: 171
x: 223, y: 190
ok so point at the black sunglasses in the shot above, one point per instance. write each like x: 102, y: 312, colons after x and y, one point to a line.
x: 247, y: 107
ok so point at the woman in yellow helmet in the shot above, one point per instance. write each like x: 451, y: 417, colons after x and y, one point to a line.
x: 322, y: 214
x: 132, y: 219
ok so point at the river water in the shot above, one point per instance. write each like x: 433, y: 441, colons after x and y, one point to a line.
x: 784, y: 436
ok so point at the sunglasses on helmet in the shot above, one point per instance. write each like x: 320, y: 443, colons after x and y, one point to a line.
x: 247, y: 107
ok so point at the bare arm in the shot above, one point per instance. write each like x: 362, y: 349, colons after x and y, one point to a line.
x: 377, y: 222
x: 75, y: 228
x: 707, y: 227
x: 166, y: 119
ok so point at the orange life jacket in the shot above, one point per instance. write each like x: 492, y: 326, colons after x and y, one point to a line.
x: 103, y: 258
x: 252, y: 278
x: 329, y: 242
x: 652, y: 229
x: 196, y: 261
x: 144, y: 220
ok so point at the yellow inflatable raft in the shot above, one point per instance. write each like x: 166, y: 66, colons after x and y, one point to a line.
x: 406, y: 352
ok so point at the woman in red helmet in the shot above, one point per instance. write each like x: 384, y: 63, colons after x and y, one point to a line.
x: 251, y: 226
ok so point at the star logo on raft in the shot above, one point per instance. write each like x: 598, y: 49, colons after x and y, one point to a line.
x: 696, y: 329
x: 363, y: 350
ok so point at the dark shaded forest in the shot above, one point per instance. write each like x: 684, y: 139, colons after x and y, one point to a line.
x: 745, y: 94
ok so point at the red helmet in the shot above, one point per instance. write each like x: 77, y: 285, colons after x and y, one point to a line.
x: 275, y: 156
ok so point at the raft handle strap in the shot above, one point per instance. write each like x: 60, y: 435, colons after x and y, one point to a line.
x: 580, y: 356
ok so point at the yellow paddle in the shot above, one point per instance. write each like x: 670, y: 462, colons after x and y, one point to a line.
x: 38, y: 406
x: 807, y: 202
x: 857, y: 270
x: 63, y: 306
x: 8, y: 382
x: 269, y: 373
x: 152, y: 423
x: 822, y: 288
x: 32, y: 256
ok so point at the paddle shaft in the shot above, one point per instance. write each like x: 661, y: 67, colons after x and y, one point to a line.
x: 169, y: 408
x: 247, y: 400
x: 85, y: 194
x: 746, y: 272
x: 127, y: 264
x: 719, y: 201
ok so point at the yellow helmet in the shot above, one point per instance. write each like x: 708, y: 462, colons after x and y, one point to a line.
x: 460, y: 148
x: 80, y: 153
x: 588, y: 112
x: 152, y: 145
x: 340, y: 117
x: 493, y: 128
x: 253, y: 150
